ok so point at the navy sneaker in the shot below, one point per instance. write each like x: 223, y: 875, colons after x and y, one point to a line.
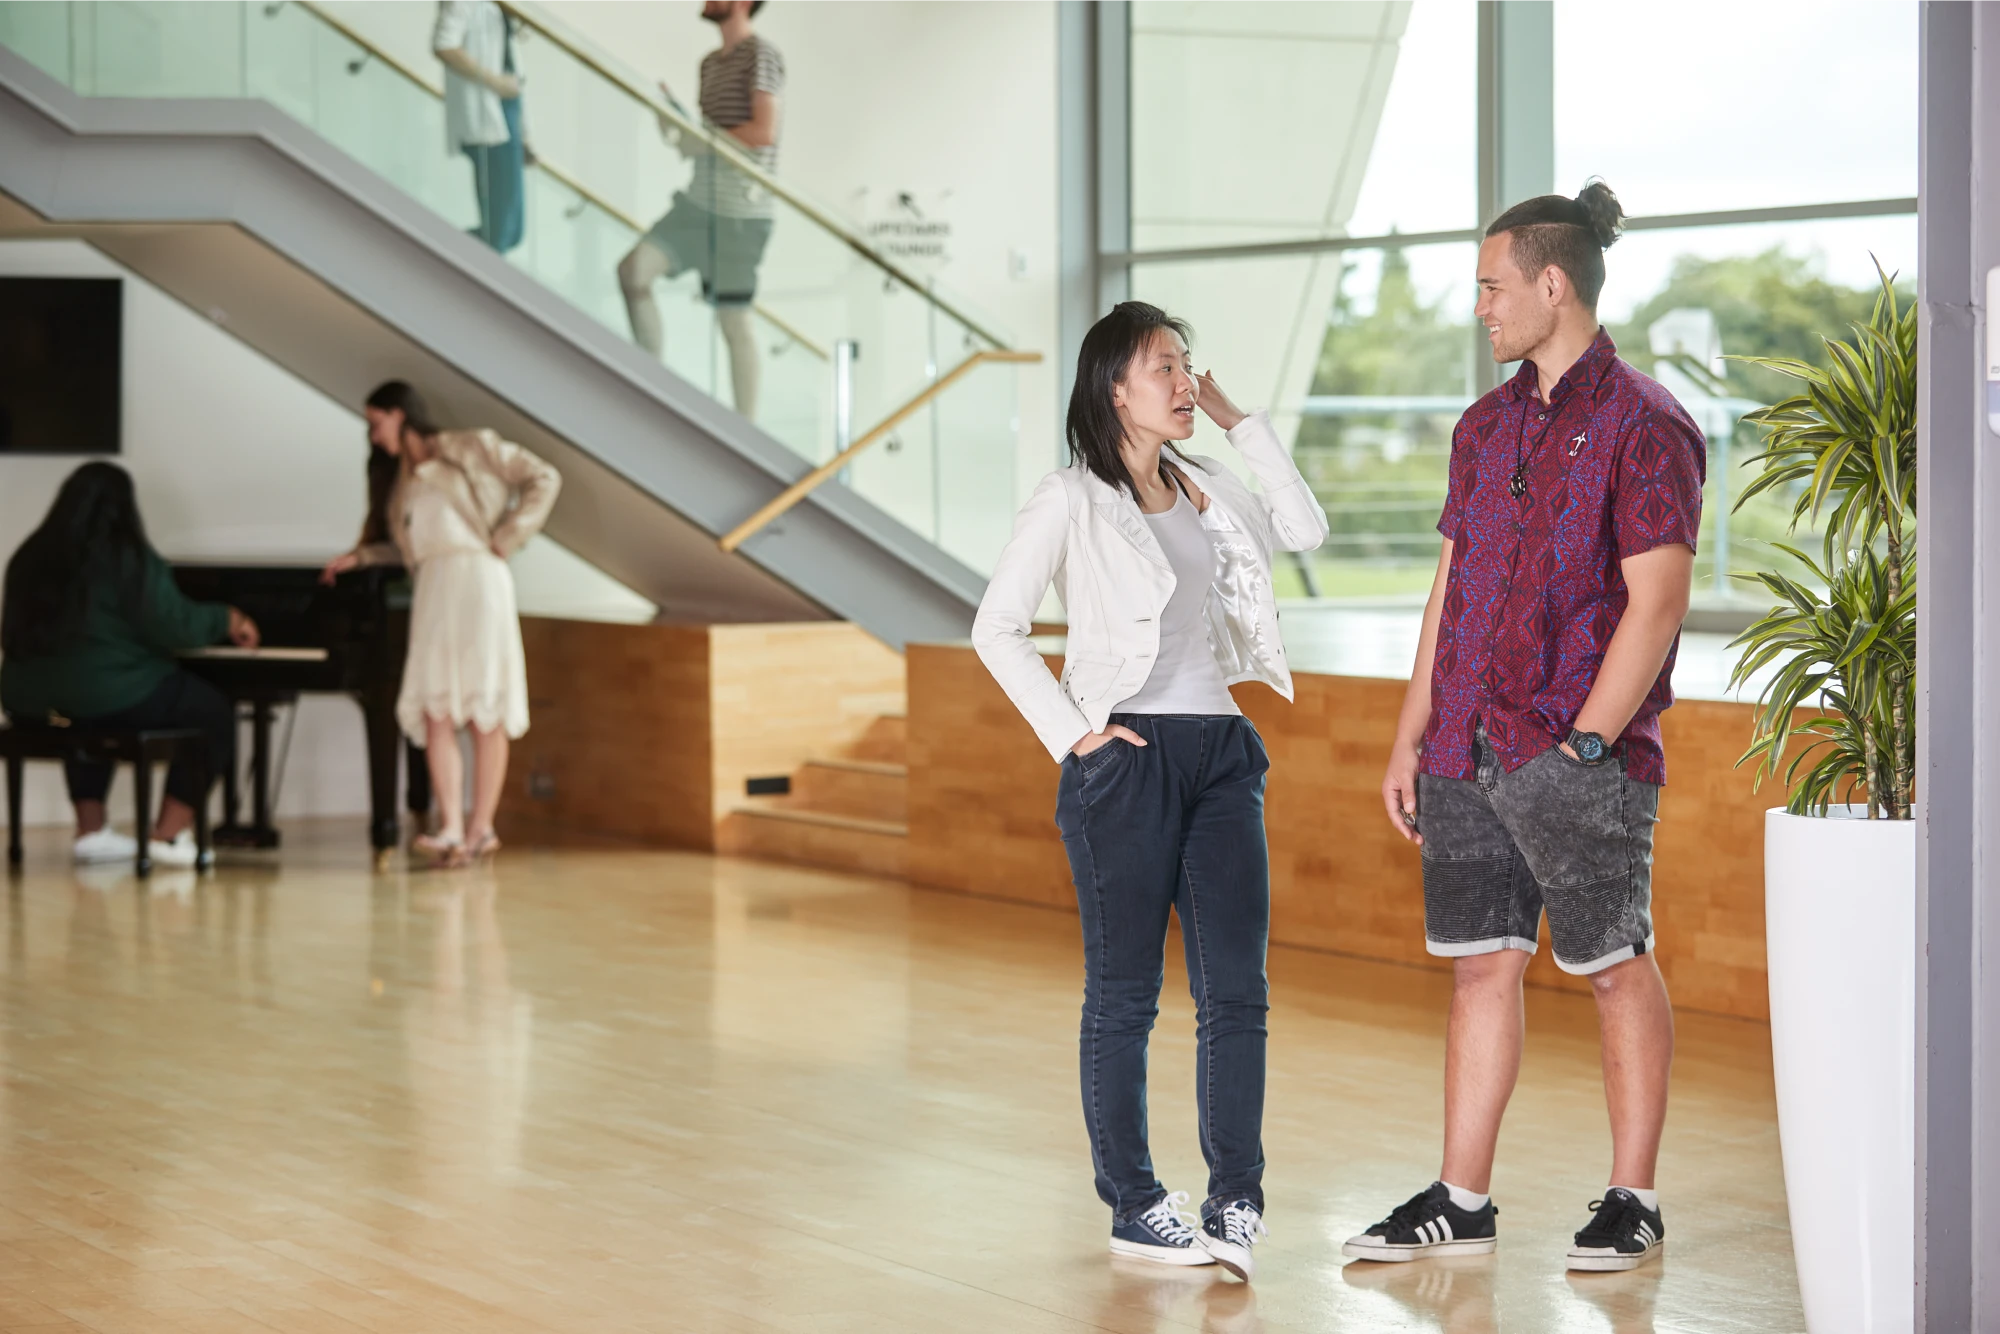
x: 1624, y: 1234
x: 1163, y: 1234
x: 1230, y: 1232
x: 1428, y: 1224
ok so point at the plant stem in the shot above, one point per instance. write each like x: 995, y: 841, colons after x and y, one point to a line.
x: 1901, y: 759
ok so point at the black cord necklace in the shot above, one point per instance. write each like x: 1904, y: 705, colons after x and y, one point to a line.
x: 1517, y: 485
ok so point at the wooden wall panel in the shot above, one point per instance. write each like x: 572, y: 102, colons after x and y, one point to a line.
x: 785, y: 694
x: 982, y: 801
x: 982, y: 789
x: 619, y: 726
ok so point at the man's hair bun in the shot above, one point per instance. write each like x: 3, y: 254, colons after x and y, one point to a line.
x: 1598, y: 210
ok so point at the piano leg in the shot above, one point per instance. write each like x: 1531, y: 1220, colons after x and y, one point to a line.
x: 385, y: 744
x: 416, y: 781
x: 260, y: 832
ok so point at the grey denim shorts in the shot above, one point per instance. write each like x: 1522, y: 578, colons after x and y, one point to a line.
x: 1574, y: 838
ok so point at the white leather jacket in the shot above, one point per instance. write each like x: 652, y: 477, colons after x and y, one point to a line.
x: 1091, y: 541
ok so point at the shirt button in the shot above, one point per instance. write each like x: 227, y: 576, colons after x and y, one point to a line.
x: 1543, y: 417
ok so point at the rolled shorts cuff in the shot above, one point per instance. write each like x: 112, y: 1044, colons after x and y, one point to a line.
x: 1460, y: 949
x: 1605, y: 961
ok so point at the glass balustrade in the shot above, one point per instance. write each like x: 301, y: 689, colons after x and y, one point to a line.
x: 609, y: 156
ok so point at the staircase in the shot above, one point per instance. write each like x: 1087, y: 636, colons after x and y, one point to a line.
x: 848, y: 813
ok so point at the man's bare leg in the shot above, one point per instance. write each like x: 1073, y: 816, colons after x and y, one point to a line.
x: 1636, y: 1025
x: 644, y: 265
x: 1482, y: 1061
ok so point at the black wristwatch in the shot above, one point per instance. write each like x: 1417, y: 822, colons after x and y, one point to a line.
x: 1589, y: 747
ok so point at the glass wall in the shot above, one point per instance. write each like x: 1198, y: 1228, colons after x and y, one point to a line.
x: 1255, y: 128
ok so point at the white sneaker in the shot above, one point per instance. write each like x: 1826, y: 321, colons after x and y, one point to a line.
x: 179, y: 853
x: 103, y: 845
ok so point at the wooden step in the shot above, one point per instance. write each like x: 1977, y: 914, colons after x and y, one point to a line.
x: 885, y: 741
x: 870, y: 789
x: 815, y: 838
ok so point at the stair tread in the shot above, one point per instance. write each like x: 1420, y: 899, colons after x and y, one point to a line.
x: 827, y: 818
x: 882, y: 767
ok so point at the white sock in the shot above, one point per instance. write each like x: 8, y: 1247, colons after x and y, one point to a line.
x: 1649, y: 1198
x: 1469, y: 1201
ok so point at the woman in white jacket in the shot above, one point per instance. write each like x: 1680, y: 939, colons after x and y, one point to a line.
x: 1163, y: 561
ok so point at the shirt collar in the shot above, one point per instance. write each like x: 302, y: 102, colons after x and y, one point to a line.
x: 1587, y: 371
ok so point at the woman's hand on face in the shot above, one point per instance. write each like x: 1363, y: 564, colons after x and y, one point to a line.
x: 338, y: 566
x: 1105, y: 738
x: 1210, y: 399
x: 242, y: 630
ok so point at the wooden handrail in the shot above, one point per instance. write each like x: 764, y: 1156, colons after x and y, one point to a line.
x: 800, y: 489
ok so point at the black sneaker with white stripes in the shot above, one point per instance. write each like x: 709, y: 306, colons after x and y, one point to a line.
x: 1624, y: 1234
x: 1428, y: 1224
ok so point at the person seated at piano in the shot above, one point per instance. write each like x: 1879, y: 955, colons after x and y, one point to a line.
x: 463, y: 502
x: 90, y: 626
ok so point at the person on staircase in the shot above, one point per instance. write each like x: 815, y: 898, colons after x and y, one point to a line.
x: 463, y: 502
x: 718, y: 226
x: 90, y: 627
x: 483, y: 115
x: 1163, y: 561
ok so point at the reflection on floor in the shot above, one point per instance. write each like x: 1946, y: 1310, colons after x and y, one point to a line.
x: 606, y: 1090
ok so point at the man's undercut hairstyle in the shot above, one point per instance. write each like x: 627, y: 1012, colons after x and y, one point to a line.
x: 1571, y: 234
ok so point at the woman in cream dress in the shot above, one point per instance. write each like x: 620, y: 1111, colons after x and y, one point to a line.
x: 462, y: 503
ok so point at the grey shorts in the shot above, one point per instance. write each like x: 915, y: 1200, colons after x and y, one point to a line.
x: 1573, y: 838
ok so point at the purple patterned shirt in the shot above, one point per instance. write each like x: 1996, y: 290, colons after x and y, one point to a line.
x: 1614, y: 467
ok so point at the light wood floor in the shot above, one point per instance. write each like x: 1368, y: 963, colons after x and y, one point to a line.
x: 598, y: 1090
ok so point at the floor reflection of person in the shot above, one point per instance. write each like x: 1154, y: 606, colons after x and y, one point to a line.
x: 92, y: 622
x: 1163, y: 561
x: 483, y: 115
x: 463, y: 502
x: 718, y: 227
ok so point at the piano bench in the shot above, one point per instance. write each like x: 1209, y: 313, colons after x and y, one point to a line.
x: 21, y: 742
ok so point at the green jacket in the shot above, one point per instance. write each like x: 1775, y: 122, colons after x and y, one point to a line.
x: 121, y: 655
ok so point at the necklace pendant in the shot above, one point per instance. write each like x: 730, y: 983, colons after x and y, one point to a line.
x: 1517, y: 485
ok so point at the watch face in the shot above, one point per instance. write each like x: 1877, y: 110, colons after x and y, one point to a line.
x: 1590, y: 747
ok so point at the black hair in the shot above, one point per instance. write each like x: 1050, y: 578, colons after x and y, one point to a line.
x: 1095, y: 433
x: 1571, y: 234
x: 401, y: 396
x: 755, y: 5
x: 92, y: 530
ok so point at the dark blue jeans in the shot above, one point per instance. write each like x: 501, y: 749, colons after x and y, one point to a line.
x: 499, y: 181
x: 1175, y: 825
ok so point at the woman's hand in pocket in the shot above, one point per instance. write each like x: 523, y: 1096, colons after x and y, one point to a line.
x: 1094, y: 740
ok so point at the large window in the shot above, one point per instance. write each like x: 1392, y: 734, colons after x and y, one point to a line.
x: 1267, y: 136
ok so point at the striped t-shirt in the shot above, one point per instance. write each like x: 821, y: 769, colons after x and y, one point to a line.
x: 729, y: 78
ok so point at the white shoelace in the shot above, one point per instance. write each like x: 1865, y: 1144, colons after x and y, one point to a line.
x: 1172, y: 1225
x: 1242, y: 1225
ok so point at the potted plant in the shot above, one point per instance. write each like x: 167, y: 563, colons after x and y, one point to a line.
x: 1840, y: 856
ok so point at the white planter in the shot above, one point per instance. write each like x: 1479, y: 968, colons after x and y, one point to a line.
x: 1840, y: 919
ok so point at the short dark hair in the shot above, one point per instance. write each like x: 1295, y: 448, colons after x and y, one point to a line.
x: 1095, y: 433
x: 1571, y: 234
x: 755, y: 5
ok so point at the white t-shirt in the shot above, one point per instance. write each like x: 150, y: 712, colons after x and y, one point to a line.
x: 1186, y: 677
x: 472, y: 114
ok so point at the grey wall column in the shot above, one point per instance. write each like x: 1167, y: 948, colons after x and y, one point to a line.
x: 1958, y: 683
x: 1517, y: 103
x: 1517, y: 118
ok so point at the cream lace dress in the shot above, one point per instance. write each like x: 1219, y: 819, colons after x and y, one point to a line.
x: 465, y: 662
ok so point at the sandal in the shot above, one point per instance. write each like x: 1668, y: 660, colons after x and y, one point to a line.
x: 441, y: 850
x: 479, y: 849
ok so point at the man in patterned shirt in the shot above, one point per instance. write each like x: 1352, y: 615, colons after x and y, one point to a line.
x: 1527, y: 761
x: 718, y: 226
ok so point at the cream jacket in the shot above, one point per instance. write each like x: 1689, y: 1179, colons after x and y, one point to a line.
x: 1090, y: 540
x: 502, y: 489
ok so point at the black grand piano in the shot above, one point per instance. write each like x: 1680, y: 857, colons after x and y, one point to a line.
x: 345, y: 639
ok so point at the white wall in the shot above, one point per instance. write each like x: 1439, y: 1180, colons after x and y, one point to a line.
x: 236, y: 459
